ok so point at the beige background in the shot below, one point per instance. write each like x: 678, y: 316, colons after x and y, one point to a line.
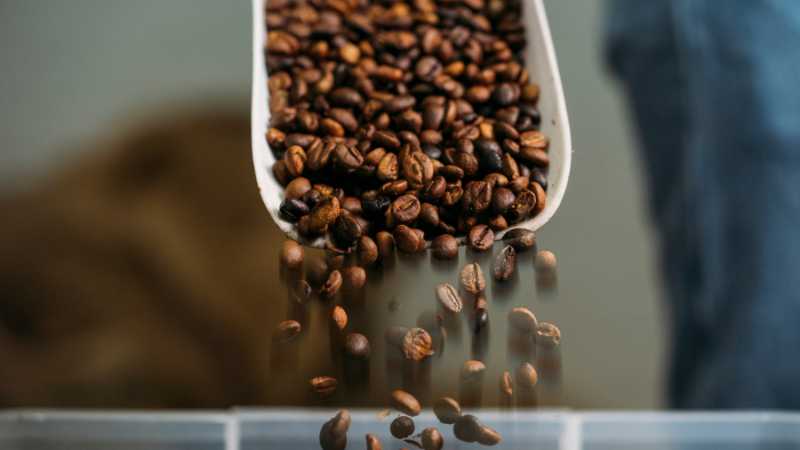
x: 74, y: 68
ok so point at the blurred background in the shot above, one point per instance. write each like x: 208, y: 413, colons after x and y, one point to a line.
x: 137, y: 264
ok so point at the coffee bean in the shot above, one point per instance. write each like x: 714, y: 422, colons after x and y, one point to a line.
x: 367, y: 251
x: 399, y: 103
x: 432, y: 439
x: 521, y: 239
x: 447, y: 410
x: 339, y: 317
x: 333, y: 434
x: 444, y: 246
x: 291, y: 255
x: 481, y: 314
x: 522, y: 319
x: 417, y: 344
x: 385, y: 243
x: 387, y: 139
x: 526, y: 376
x: 348, y: 157
x: 429, y: 215
x: 472, y: 371
x: 353, y: 278
x: 402, y: 427
x: 541, y: 197
x: 346, y: 230
x: 434, y: 190
x: 323, y: 386
x: 449, y: 299
x: 548, y: 335
x: 406, y: 208
x: 331, y: 286
x: 505, y: 263
x: 477, y: 197
x: 506, y: 385
x: 523, y: 204
x: 489, y: 436
x: 502, y: 199
x: 293, y: 209
x: 287, y: 330
x: 301, y: 291
x: 280, y: 173
x: 373, y: 443
x: 417, y: 168
x: 505, y: 94
x: 467, y: 428
x: 296, y: 188
x: 405, y: 403
x: 472, y: 278
x: 316, y: 271
x: 356, y: 346
x: 347, y: 97
x: 480, y: 238
x: 452, y: 194
x: 324, y: 214
x: 409, y: 240
x: 545, y: 262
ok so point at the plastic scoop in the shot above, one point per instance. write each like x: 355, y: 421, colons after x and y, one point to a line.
x: 540, y: 59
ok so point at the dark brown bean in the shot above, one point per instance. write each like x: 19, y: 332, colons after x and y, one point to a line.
x: 385, y: 243
x: 406, y: 208
x: 333, y: 434
x: 444, y: 246
x: 505, y: 263
x: 502, y: 199
x: 287, y: 330
x: 402, y: 427
x: 324, y: 214
x: 477, y: 197
x: 489, y: 436
x: 332, y: 285
x: 297, y: 188
x: 447, y: 410
x: 356, y: 346
x: 405, y: 403
x: 545, y: 262
x: 373, y: 443
x: 417, y: 344
x: 480, y: 238
x: 429, y: 215
x: 521, y: 239
x: 526, y: 376
x: 548, y: 335
x: 408, y: 239
x: 367, y: 251
x: 467, y: 428
x: 472, y: 371
x: 432, y: 439
x: 353, y: 278
x: 291, y: 256
x: 323, y: 386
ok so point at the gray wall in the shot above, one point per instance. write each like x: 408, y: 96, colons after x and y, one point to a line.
x: 73, y: 69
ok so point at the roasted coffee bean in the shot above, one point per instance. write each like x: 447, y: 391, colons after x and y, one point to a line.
x: 468, y: 163
x: 316, y: 271
x: 524, y: 203
x: 521, y: 239
x: 373, y: 443
x: 319, y: 155
x: 449, y: 299
x: 346, y: 230
x: 432, y: 439
x: 387, y: 139
x: 506, y: 94
x: 351, y: 204
x: 489, y: 436
x: 405, y: 403
x: 375, y: 207
x: 505, y: 263
x: 510, y: 167
x: 502, y: 199
x: 417, y: 345
x: 348, y: 157
x: 444, y: 246
x: 447, y: 410
x: 385, y: 243
x: 429, y: 215
x: 301, y: 291
x: 519, y: 183
x: 526, y: 376
x: 467, y: 428
x: 396, y: 187
x: 388, y: 168
x: 498, y: 223
x: 297, y: 188
x: 280, y: 173
x: 409, y: 240
x: 538, y: 176
x: 312, y: 198
x: 472, y: 278
x: 356, y: 346
x: 324, y: 214
x: 293, y: 209
x: 323, y: 386
x: 477, y: 197
x: 548, y: 335
x: 406, y: 208
x: 332, y: 285
x: 545, y: 262
x: 522, y: 319
x: 399, y: 103
x: 472, y: 371
x: 402, y: 427
x: 434, y: 190
x: 452, y: 194
x: 291, y: 256
x: 353, y: 278
x: 480, y: 238
x: 367, y: 251
x: 541, y: 197
x: 347, y: 97
x: 287, y: 330
x: 506, y: 385
x: 333, y: 434
x: 339, y: 317
x: 417, y: 168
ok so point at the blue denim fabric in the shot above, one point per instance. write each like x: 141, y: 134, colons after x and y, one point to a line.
x: 714, y: 88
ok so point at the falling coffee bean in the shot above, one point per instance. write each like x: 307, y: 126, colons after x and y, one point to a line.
x: 333, y: 434
x: 489, y: 436
x: 506, y: 385
x: 447, y: 410
x: 339, y: 317
x: 287, y: 330
x: 505, y: 263
x: 472, y: 371
x: 353, y: 278
x: 402, y: 427
x: 323, y: 386
x: 405, y: 402
x: 332, y: 285
x: 522, y: 319
x: 417, y: 344
x: 526, y: 376
x: 373, y: 443
x: 357, y: 346
x: 472, y: 278
x: 449, y: 299
x: 291, y: 255
x: 432, y: 439
x: 467, y: 428
x: 521, y: 239
x: 545, y: 262
x: 548, y: 335
x: 367, y: 251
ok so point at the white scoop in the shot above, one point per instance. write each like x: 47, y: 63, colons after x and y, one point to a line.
x: 540, y: 58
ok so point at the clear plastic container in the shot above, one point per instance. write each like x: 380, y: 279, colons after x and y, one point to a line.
x: 297, y: 429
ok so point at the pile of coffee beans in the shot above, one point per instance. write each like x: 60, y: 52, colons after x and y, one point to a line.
x: 415, y: 118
